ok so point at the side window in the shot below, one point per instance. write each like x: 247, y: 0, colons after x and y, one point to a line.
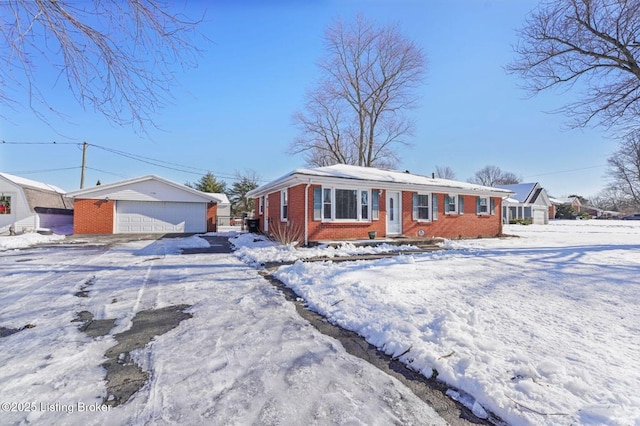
x: 420, y: 207
x: 326, y: 203
x: 317, y: 203
x: 375, y: 204
x: 5, y: 204
x: 434, y: 206
x: 284, y: 204
x: 364, y: 205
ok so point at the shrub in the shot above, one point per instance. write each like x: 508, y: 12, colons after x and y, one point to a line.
x: 286, y: 232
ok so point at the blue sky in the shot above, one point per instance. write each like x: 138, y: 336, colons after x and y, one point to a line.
x: 233, y: 112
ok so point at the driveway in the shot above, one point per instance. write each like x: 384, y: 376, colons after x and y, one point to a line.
x: 239, y: 354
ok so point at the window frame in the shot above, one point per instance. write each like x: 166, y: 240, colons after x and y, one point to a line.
x: 330, y: 203
x: 6, y: 201
x: 447, y: 205
x: 415, y: 213
x: 487, y: 200
x: 284, y: 205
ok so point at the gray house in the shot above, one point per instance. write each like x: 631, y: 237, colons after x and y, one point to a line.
x: 530, y: 202
x: 29, y: 206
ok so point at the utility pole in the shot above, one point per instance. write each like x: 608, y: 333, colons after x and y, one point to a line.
x: 84, y: 163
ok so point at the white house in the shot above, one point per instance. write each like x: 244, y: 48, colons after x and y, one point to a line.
x: 27, y: 205
x: 530, y: 202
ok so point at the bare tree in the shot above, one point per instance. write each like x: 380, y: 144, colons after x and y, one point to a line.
x: 115, y: 56
x: 445, y: 172
x: 594, y: 42
x: 492, y: 176
x: 356, y: 112
x: 624, y: 169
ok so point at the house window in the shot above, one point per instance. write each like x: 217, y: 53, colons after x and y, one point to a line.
x: 375, y: 204
x: 317, y: 203
x: 5, y: 204
x: 343, y: 204
x: 326, y: 203
x: 364, y: 205
x: 420, y: 207
x: 454, y: 204
x: 346, y: 204
x: 284, y: 205
x: 482, y: 205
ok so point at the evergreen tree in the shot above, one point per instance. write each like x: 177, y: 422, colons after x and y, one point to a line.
x: 209, y: 183
x: 238, y: 193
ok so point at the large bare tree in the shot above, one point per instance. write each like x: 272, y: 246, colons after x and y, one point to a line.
x: 445, y: 172
x: 357, y: 112
x: 593, y: 44
x: 493, y: 175
x: 117, y: 57
x: 624, y: 169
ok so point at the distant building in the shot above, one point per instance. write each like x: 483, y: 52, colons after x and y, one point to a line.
x: 529, y: 203
x: 28, y: 206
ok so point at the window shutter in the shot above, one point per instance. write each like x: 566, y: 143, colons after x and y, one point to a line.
x: 434, y: 206
x: 492, y: 202
x: 317, y: 203
x: 460, y: 204
x: 446, y: 203
x: 477, y: 205
x: 415, y: 206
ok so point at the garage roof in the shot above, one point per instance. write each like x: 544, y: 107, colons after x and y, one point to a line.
x: 146, y: 188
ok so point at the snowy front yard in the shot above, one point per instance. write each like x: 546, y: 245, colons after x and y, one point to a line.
x: 543, y: 328
x: 540, y: 329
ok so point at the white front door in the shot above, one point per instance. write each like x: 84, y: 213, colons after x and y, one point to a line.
x: 393, y: 213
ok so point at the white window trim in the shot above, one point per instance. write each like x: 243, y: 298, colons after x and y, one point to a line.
x: 488, y: 212
x: 456, y: 203
x: 284, y: 201
x: 359, y: 190
x: 429, y: 207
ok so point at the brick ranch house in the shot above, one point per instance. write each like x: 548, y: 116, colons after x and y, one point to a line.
x: 148, y: 204
x: 343, y: 202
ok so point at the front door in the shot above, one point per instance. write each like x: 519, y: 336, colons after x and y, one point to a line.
x: 393, y: 213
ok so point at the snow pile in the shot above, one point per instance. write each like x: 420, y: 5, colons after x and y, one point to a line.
x: 257, y: 250
x: 539, y: 329
x: 26, y: 240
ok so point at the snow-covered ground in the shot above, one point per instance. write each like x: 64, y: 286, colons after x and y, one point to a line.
x: 543, y: 328
x: 245, y: 357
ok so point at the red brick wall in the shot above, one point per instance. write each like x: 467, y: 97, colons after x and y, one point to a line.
x: 93, y: 216
x: 467, y: 225
x: 212, y: 216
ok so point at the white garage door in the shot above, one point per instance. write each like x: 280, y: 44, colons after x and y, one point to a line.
x: 134, y: 217
x: 539, y: 217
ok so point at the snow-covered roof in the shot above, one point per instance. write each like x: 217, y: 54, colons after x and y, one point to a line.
x: 98, y: 190
x: 24, y: 182
x: 391, y: 178
x: 222, y: 198
x: 522, y: 190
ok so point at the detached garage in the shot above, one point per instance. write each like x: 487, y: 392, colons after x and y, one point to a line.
x: 149, y: 204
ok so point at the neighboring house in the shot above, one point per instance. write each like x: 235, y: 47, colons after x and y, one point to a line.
x: 530, y: 202
x: 28, y: 206
x: 579, y: 207
x: 224, y: 208
x: 344, y: 202
x: 148, y: 204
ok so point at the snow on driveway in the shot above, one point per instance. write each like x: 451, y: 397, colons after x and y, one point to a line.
x: 245, y: 357
x: 540, y: 329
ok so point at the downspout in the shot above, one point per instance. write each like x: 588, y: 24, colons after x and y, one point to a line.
x: 306, y: 213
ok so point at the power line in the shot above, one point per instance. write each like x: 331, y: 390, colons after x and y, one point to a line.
x: 567, y: 171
